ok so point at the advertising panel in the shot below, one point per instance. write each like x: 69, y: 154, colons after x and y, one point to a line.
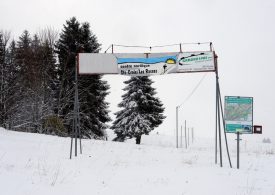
x: 196, y: 62
x: 146, y: 66
x: 238, y: 112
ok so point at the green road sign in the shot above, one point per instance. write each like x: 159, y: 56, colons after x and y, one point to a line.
x: 238, y: 113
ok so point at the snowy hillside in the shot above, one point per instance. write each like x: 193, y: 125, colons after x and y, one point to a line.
x: 39, y: 164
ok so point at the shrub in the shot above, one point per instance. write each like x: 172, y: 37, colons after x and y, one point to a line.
x: 54, y: 125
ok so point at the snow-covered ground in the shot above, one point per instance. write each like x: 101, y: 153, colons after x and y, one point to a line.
x: 32, y: 164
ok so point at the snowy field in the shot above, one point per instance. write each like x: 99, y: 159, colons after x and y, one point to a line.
x: 33, y: 164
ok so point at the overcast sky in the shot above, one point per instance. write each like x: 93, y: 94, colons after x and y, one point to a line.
x: 242, y: 32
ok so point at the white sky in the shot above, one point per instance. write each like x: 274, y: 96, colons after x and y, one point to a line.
x: 242, y: 33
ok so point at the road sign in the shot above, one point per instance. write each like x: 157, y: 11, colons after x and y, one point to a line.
x: 257, y: 129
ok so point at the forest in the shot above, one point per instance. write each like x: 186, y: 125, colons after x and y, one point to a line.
x: 37, y: 82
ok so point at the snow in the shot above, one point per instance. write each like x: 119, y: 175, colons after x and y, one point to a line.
x: 40, y: 164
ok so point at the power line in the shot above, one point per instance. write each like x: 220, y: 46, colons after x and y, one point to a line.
x: 138, y: 46
x: 108, y: 48
x: 158, y: 46
x: 193, y: 91
x: 169, y: 45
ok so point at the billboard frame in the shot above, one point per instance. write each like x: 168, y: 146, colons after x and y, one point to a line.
x: 219, y: 113
x: 148, y: 54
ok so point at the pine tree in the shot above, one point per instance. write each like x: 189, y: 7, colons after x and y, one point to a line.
x: 76, y: 38
x: 141, y: 110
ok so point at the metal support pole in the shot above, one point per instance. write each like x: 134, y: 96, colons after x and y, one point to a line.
x: 219, y: 107
x: 71, y: 146
x: 75, y: 122
x: 78, y: 125
x: 112, y: 48
x: 211, y: 46
x: 75, y: 142
x: 238, y: 150
x: 225, y: 137
x: 77, y: 117
x: 220, y: 140
x: 185, y: 134
x: 76, y: 133
x: 216, y: 125
x: 180, y: 48
x: 177, y: 110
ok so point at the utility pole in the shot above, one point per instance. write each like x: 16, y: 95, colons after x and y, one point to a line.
x: 192, y: 135
x: 181, y: 136
x: 185, y: 134
x: 188, y: 138
x: 177, y: 111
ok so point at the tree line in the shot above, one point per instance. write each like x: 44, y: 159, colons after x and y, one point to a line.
x: 37, y: 83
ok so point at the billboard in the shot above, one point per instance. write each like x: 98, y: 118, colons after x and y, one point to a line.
x: 196, y: 62
x: 139, y: 64
x: 238, y: 112
x: 146, y: 66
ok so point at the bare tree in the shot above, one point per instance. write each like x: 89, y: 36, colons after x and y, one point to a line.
x: 48, y: 34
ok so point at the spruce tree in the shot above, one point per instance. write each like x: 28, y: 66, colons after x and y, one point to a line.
x: 49, y: 85
x: 34, y: 62
x: 23, y: 115
x: 141, y: 110
x: 66, y: 48
x: 3, y: 79
x: 76, y: 38
x: 13, y: 86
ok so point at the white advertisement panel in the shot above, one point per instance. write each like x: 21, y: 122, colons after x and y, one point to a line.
x: 196, y: 62
x: 97, y: 63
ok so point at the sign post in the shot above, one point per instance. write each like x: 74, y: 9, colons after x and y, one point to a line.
x: 238, y: 118
x: 238, y: 149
